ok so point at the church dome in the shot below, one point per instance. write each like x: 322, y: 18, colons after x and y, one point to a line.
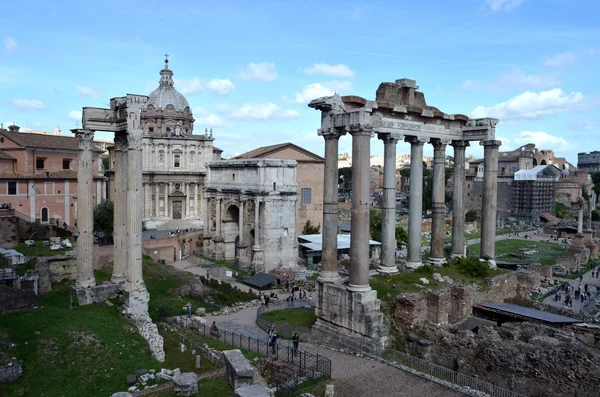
x: 166, y: 94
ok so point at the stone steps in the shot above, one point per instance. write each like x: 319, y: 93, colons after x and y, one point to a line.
x: 175, y: 224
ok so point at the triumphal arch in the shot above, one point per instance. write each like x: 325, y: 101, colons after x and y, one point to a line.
x: 348, y: 314
x: 122, y: 118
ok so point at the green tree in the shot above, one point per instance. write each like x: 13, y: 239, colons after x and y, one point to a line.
x: 103, y: 218
x: 595, y: 215
x: 560, y: 210
x: 471, y: 216
x: 405, y: 172
x: 375, y: 223
x: 309, y: 228
x: 105, y: 162
x: 345, y: 177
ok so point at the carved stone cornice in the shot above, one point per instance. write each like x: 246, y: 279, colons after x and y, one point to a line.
x: 416, y: 140
x: 85, y: 139
x: 460, y: 144
x: 491, y: 142
x: 331, y: 133
x: 390, y: 138
x: 360, y: 130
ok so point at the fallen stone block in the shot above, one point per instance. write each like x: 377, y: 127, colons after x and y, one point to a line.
x: 122, y: 394
x: 423, y: 280
x: 329, y: 390
x: 131, y: 379
x: 238, y: 369
x: 185, y: 384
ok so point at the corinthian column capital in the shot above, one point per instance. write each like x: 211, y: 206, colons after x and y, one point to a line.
x: 360, y: 129
x: 85, y: 139
x: 331, y: 133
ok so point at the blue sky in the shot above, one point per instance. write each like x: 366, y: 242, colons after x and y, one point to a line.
x: 248, y: 68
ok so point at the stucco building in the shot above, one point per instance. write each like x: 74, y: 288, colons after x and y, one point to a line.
x: 38, y: 175
x: 309, y: 178
x: 174, y: 159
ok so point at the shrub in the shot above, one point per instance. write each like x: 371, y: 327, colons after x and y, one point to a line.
x: 471, y: 216
x: 426, y: 269
x: 471, y: 267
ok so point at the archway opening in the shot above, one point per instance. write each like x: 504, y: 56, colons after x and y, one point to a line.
x: 44, y: 215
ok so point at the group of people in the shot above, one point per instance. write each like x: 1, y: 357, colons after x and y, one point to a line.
x: 265, y: 299
x: 581, y: 293
x: 6, y: 206
x: 271, y: 331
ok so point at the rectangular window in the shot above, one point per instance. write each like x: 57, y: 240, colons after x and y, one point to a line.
x: 305, y: 196
x: 39, y: 163
x: 12, y: 188
x: 66, y: 164
x: 177, y: 161
x: 151, y: 129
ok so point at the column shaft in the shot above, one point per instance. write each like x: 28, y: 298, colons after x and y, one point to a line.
x: 196, y: 194
x: 256, y: 223
x: 388, y: 226
x: 134, y: 211
x: 218, y: 233
x: 120, y: 209
x: 490, y: 199
x: 241, y: 220
x: 415, y: 211
x: 359, y: 238
x: 458, y: 204
x: 329, y: 272
x: 85, y: 211
x: 207, y: 216
x: 438, y: 205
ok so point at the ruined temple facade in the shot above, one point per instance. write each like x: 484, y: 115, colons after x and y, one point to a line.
x: 174, y: 158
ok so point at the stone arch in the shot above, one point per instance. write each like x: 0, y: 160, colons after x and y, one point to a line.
x: 543, y: 162
x: 535, y: 162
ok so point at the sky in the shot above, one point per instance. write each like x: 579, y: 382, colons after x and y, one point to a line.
x: 249, y: 68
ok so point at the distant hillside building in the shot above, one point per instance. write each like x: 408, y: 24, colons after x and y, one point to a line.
x: 533, y: 193
x: 589, y: 162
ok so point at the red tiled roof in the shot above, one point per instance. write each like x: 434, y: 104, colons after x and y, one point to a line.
x: 266, y: 151
x: 43, y: 141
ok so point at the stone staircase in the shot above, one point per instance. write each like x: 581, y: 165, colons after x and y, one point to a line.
x: 181, y: 224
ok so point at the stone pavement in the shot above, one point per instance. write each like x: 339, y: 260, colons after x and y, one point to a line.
x: 593, y: 284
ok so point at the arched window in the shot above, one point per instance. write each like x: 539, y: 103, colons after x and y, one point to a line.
x: 44, y: 215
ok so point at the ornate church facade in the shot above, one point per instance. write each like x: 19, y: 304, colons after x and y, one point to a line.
x: 174, y: 159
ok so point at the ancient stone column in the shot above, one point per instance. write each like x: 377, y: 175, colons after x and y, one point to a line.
x: 207, y: 216
x: 458, y: 204
x: 329, y: 272
x: 415, y: 210
x: 490, y: 200
x: 218, y: 216
x: 120, y: 209
x: 134, y: 211
x: 580, y: 222
x: 388, y: 224
x: 85, y: 211
x: 438, y: 202
x: 361, y: 199
x: 256, y: 223
x: 241, y: 220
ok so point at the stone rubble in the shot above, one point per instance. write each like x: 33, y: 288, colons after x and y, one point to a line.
x: 235, y: 308
x: 185, y: 384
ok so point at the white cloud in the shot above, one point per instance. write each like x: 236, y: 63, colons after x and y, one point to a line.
x: 10, y: 44
x: 503, y: 5
x: 86, y: 92
x: 317, y: 90
x: 561, y: 59
x: 512, y: 78
x: 205, y: 119
x: 540, y: 138
x: 259, y: 71
x: 258, y: 111
x: 220, y: 86
x: 75, y: 115
x: 531, y: 105
x: 187, y: 87
x: 585, y: 125
x: 28, y: 104
x: 340, y: 70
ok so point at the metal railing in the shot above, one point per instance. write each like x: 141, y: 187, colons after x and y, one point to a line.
x: 446, y: 374
x: 308, y: 365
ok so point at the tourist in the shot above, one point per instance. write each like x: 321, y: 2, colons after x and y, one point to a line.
x: 273, y: 342
x: 189, y: 310
x: 271, y: 329
x: 262, y: 299
x: 267, y: 302
x: 287, y: 285
x: 65, y: 225
x: 295, y: 342
x: 57, y: 222
x: 580, y: 278
x: 214, y: 331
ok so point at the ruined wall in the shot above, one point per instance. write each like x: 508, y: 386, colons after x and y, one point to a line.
x: 168, y: 248
x: 54, y: 269
x: 454, y: 302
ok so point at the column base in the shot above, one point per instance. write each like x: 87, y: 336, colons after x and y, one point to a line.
x: 89, y: 283
x: 387, y: 270
x: 358, y: 288
x: 82, y: 296
x: 437, y: 261
x: 329, y: 277
x: 413, y: 265
x: 118, y: 278
x: 492, y: 262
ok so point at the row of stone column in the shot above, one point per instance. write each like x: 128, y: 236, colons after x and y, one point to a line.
x: 127, y: 268
x: 219, y: 218
x: 359, y: 245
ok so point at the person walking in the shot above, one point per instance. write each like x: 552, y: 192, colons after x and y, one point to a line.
x: 214, y: 331
x: 189, y: 310
x: 273, y: 342
x: 296, y: 342
x: 271, y: 329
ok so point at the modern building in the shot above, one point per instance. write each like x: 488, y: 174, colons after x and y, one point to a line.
x: 38, y: 175
x: 174, y: 159
x: 589, y: 162
x: 533, y: 193
x: 309, y: 176
x: 310, y: 248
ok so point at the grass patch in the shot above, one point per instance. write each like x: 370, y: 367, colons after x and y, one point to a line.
x: 508, y: 250
x: 218, y: 345
x: 185, y: 361
x: 217, y: 387
x: 300, y: 317
x: 39, y: 250
x: 86, y: 351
